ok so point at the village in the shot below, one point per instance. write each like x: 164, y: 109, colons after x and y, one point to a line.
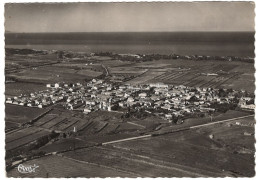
x: 166, y: 101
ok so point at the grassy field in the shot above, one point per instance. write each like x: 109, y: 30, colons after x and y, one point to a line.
x: 229, y: 153
x: 142, y: 158
x: 181, y: 154
x: 89, y: 73
x: 127, y: 70
x: 23, y: 137
x: 11, y: 126
x: 144, y: 78
x: 231, y: 135
x: 210, y: 157
x: 117, y: 63
x: 18, y: 88
x: 61, y: 120
x: 65, y: 144
x: 219, y: 150
x: 49, y: 75
x: 197, y: 121
x: 21, y: 114
x: 22, y: 61
x: 57, y: 167
x: 236, y: 75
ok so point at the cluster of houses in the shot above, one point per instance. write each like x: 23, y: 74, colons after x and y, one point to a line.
x: 243, y: 103
x: 162, y: 99
x: 39, y: 99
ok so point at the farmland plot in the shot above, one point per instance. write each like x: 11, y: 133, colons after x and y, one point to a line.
x: 89, y: 73
x: 242, y: 82
x: 178, y: 79
x: 189, y: 145
x: 144, y: 78
x: 110, y: 129
x: 9, y: 126
x: 94, y: 127
x: 57, y: 167
x: 166, y: 75
x: 18, y: 88
x: 54, y: 122
x: 52, y: 75
x: 199, y: 81
x: 134, y: 162
x: 47, y: 118
x: 21, y: 114
x: 79, y: 124
x: 15, y: 143
x: 21, y: 133
x: 65, y: 124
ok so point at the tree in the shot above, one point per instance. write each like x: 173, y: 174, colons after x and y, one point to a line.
x: 222, y: 93
x: 60, y: 54
x: 193, y: 99
x: 252, y: 101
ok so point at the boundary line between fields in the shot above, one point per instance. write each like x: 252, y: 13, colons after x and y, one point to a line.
x: 177, y: 130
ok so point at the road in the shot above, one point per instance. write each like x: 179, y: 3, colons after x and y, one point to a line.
x: 131, y: 139
x: 178, y: 130
x: 209, y: 124
x: 8, y: 71
x: 127, y: 139
x: 107, y: 72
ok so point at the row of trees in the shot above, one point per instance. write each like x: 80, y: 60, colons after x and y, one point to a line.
x: 150, y: 57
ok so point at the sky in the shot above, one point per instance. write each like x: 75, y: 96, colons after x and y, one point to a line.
x: 129, y: 17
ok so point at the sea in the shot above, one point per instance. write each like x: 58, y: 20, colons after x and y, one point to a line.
x: 240, y: 44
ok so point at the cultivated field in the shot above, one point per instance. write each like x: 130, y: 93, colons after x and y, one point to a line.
x: 23, y: 137
x: 218, y: 150
x: 57, y: 167
x: 188, y: 149
x: 214, y: 74
x: 49, y: 75
x: 17, y: 115
x: 198, y: 121
x: 18, y: 88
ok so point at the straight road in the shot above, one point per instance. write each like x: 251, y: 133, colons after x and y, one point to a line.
x: 178, y: 130
x: 133, y: 138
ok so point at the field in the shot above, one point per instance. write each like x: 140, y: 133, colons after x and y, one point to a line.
x: 95, y: 127
x: 17, y: 115
x: 18, y: 88
x: 31, y: 72
x: 169, y: 155
x: 126, y: 70
x: 57, y: 167
x: 50, y: 75
x: 20, y: 61
x: 214, y: 74
x: 176, y: 155
x: 186, y: 148
x: 144, y: 78
x: 60, y: 120
x: 236, y: 75
x: 23, y: 137
x: 198, y: 121
x: 216, y: 150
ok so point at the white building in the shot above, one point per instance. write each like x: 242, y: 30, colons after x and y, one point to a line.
x: 142, y: 95
x: 159, y: 85
x: 56, y: 85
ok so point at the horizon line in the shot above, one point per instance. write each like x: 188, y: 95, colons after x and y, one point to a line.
x: 127, y: 32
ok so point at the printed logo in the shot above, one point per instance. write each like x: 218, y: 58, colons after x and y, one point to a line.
x: 26, y: 169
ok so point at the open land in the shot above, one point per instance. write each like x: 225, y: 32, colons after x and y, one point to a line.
x: 92, y: 140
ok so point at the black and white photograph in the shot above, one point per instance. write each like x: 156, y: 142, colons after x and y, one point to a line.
x: 129, y: 89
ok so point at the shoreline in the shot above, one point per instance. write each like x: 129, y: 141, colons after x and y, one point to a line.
x: 128, y: 56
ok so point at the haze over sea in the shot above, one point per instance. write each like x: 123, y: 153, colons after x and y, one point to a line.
x: 239, y: 44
